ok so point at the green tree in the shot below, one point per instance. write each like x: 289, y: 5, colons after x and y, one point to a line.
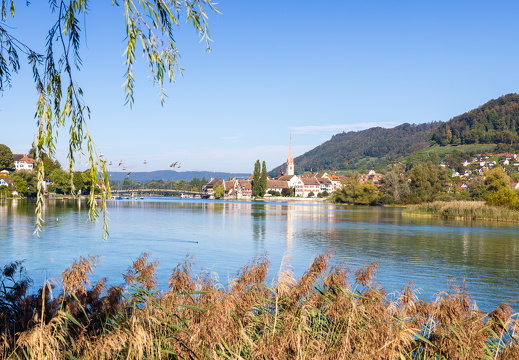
x: 503, y: 197
x: 496, y: 179
x: 150, y: 29
x: 323, y: 194
x: 477, y: 188
x: 498, y: 190
x: 128, y: 184
x: 61, y: 181
x: 352, y: 192
x: 6, y: 158
x: 263, y: 179
x: 81, y: 183
x: 219, y: 191
x: 5, y: 191
x: 256, y: 179
x: 428, y: 180
x: 288, y: 192
x: 395, y: 184
x: 21, y: 187
x: 26, y: 182
x: 156, y: 184
x: 170, y: 185
x: 182, y: 185
x: 197, y: 183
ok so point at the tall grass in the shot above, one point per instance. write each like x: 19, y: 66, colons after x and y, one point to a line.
x: 322, y: 315
x: 465, y: 210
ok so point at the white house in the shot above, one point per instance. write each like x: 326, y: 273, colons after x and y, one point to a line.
x: 23, y: 162
x: 4, y: 181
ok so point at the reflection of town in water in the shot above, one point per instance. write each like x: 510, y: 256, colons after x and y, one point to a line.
x: 291, y: 215
x: 224, y: 235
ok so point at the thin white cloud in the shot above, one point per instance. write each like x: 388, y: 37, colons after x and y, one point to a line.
x: 337, y: 128
x: 233, y: 138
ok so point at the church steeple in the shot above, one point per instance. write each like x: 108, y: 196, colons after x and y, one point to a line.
x: 290, y: 159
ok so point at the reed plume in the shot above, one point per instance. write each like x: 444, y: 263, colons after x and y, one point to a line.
x: 321, y: 315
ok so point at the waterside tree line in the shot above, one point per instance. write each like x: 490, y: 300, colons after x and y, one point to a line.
x: 62, y: 182
x: 423, y: 182
x: 427, y: 181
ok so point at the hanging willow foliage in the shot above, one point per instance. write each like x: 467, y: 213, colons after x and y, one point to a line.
x: 150, y: 26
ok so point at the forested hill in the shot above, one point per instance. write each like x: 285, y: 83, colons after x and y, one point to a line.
x: 365, y: 149
x: 496, y: 122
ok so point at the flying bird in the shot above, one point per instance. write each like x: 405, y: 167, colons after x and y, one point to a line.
x: 120, y: 163
x: 174, y: 164
x: 145, y: 162
x: 110, y: 163
x: 129, y: 173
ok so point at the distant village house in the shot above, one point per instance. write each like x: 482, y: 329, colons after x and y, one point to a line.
x: 23, y: 162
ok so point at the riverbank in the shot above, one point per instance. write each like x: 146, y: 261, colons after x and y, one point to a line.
x: 462, y: 210
x: 293, y: 199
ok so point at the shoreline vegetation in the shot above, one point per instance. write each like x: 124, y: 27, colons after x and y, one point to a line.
x: 321, y: 315
x: 463, y: 210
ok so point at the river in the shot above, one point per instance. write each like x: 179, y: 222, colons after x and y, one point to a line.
x: 223, y: 236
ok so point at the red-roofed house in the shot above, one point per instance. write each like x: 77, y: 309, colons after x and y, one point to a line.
x: 23, y: 162
x: 5, y: 181
x: 209, y: 187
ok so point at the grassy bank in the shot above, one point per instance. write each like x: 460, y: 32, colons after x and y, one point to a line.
x: 463, y: 210
x: 322, y: 315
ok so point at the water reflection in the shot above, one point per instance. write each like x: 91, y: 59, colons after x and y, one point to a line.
x: 259, y: 216
x: 223, y: 236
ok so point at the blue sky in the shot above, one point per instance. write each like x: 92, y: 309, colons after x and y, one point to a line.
x: 307, y: 68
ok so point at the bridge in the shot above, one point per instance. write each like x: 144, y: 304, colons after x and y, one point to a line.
x: 160, y: 192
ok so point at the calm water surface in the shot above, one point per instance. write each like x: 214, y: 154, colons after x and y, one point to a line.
x: 224, y: 236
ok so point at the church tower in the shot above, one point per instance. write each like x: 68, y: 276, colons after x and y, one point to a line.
x: 290, y: 160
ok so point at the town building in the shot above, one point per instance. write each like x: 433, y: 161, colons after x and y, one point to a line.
x: 306, y: 185
x: 5, y: 182
x: 23, y: 162
x: 370, y: 177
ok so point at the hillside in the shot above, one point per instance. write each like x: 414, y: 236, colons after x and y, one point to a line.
x: 366, y: 149
x: 495, y: 122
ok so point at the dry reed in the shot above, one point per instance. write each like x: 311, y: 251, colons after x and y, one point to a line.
x: 322, y: 315
x: 464, y: 210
